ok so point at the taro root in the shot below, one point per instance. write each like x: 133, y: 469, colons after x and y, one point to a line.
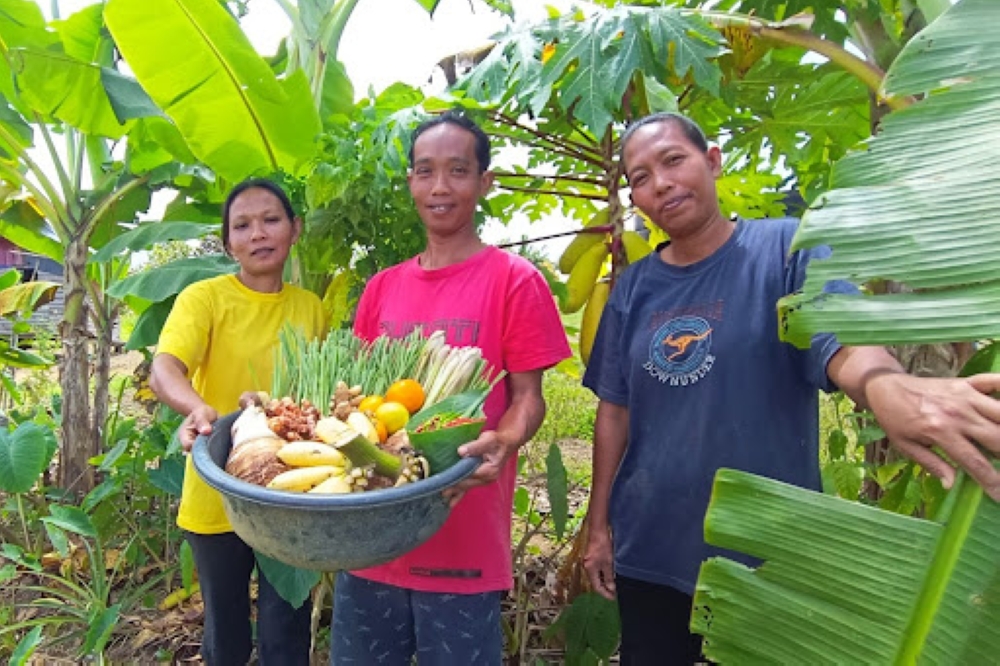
x: 257, y: 461
x: 253, y: 457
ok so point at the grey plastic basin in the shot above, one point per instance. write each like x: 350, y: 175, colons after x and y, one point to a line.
x: 326, y: 532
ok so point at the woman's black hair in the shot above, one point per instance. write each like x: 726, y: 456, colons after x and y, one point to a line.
x: 459, y: 119
x: 249, y: 184
x: 690, y: 128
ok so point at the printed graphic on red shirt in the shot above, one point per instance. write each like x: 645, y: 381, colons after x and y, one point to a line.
x: 680, y: 351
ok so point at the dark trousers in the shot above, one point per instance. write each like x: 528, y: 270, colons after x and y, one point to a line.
x: 224, y: 564
x: 655, y: 621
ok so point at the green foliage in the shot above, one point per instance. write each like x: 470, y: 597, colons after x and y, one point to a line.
x: 196, y: 63
x: 589, y: 628
x: 570, y: 409
x: 357, y: 191
x: 897, y: 196
x: 927, y: 591
x: 24, y: 454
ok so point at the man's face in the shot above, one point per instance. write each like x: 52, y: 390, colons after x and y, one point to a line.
x: 445, y: 179
x: 672, y: 181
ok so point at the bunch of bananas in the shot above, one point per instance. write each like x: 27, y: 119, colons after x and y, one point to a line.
x: 584, y: 260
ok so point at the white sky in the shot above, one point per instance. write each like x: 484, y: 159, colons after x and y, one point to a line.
x: 396, y: 40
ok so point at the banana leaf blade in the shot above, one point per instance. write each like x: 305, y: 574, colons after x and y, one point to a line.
x: 847, y: 583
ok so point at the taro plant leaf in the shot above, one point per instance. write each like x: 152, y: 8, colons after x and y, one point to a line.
x: 925, y: 218
x: 24, y: 455
x: 168, y: 280
x: 929, y: 592
x: 591, y: 624
x: 146, y: 236
x: 199, y: 67
x: 169, y: 476
x: 558, y: 488
x: 71, y: 519
x: 293, y: 584
x: 58, y: 539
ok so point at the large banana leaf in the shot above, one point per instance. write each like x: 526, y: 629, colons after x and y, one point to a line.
x: 844, y: 583
x: 921, y: 206
x: 196, y: 63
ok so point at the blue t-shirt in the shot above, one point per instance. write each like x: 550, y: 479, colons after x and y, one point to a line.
x: 694, y: 353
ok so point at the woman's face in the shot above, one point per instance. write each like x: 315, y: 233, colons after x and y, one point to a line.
x: 672, y: 180
x: 260, y: 232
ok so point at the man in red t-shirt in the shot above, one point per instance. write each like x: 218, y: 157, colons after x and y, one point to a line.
x: 441, y: 601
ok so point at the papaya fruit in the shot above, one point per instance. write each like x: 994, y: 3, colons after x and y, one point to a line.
x: 592, y: 318
x: 583, y: 277
x: 636, y: 247
x: 583, y: 242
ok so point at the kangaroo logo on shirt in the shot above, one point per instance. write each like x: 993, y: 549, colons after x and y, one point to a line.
x: 679, y: 353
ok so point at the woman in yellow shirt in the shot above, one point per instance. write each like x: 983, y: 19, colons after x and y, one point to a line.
x: 218, y: 342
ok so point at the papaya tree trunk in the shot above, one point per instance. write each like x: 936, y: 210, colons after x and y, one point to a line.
x: 79, y: 440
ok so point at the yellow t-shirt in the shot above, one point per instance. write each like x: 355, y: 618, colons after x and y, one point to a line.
x: 226, y: 334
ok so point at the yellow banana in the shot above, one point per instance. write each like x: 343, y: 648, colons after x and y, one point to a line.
x: 636, y: 246
x: 582, y: 242
x: 338, y: 484
x: 592, y: 318
x: 303, y: 478
x: 583, y: 278
x: 311, y: 454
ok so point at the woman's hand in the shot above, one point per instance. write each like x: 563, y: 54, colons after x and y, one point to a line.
x: 198, y: 422
x: 598, y: 562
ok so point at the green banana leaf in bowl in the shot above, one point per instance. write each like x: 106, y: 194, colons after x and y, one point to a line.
x: 440, y: 446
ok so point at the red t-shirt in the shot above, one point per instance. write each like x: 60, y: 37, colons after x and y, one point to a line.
x: 499, y: 302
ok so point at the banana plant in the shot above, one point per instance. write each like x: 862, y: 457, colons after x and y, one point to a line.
x: 845, y: 583
x: 924, y: 193
x: 62, y: 98
x: 928, y: 590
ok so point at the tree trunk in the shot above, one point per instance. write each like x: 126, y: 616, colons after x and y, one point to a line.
x: 79, y: 440
x: 104, y: 324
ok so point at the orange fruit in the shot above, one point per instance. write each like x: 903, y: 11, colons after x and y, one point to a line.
x: 407, y: 392
x: 392, y: 415
x: 370, y: 403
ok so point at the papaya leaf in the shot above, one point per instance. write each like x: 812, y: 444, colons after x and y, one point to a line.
x: 24, y: 455
x: 199, y: 67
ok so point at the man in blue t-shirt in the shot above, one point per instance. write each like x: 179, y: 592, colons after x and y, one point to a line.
x: 692, y: 377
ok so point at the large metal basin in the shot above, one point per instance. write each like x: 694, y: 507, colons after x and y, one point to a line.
x: 326, y: 532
